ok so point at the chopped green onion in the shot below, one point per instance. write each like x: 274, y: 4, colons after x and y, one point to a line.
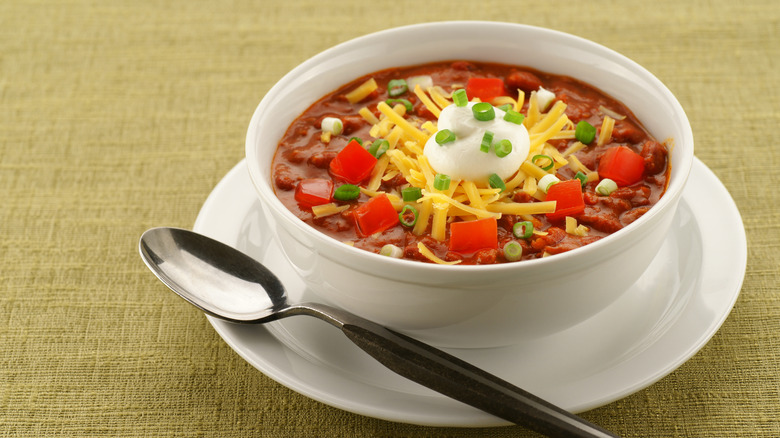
x: 548, y: 159
x: 487, y: 140
x: 496, y: 182
x: 513, y: 251
x: 424, y: 81
x: 402, y: 216
x: 360, y: 141
x: 513, y: 116
x: 459, y: 97
x: 379, y: 147
x: 396, y: 87
x: 584, y: 132
x: 406, y: 103
x: 523, y: 230
x: 346, y: 192
x: 606, y: 186
x: 483, y: 111
x: 445, y: 136
x: 441, y: 181
x: 506, y: 107
x: 503, y: 148
x: 391, y: 250
x: 332, y: 125
x: 582, y: 177
x: 544, y: 98
x: 547, y: 181
x: 409, y: 194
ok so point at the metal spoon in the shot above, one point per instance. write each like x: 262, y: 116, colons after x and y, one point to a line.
x: 230, y: 285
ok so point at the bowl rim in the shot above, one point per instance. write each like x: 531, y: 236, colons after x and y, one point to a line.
x: 263, y: 186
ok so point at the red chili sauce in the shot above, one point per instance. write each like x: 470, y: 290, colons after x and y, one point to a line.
x: 303, y: 155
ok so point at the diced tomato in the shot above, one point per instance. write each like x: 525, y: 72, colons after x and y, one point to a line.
x: 470, y: 236
x: 314, y: 191
x: 376, y: 215
x: 622, y: 165
x: 568, y: 198
x: 353, y: 164
x: 485, y: 88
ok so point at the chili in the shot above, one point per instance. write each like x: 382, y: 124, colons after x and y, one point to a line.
x: 636, y: 162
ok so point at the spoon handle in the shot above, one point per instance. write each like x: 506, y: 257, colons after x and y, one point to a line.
x: 462, y: 381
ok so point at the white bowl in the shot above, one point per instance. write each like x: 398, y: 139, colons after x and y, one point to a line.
x: 471, y: 306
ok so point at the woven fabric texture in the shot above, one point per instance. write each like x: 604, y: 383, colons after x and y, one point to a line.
x: 117, y: 116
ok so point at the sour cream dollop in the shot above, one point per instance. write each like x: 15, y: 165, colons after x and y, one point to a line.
x: 462, y: 159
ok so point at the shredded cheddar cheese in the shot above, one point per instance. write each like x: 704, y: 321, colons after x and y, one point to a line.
x: 422, y: 218
x: 439, y: 96
x: 606, y: 130
x: 368, y: 116
x: 442, y: 198
x: 504, y: 100
x: 430, y: 127
x: 529, y: 185
x: 532, y: 169
x: 558, y: 159
x: 378, y: 173
x: 362, y: 91
x: 427, y: 253
x: 552, y: 117
x: 574, y: 229
x: 539, y: 138
x: 463, y: 200
x: 608, y: 112
x: 518, y: 208
x: 435, y: 110
x: 533, y: 113
x: 439, y: 222
x: 575, y: 147
x: 408, y: 128
x: 576, y: 165
x: 328, y: 209
x: 472, y: 194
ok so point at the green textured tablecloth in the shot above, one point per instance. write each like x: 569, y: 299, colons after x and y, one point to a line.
x: 117, y: 116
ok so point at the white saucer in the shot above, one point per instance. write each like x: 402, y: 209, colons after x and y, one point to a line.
x: 672, y: 311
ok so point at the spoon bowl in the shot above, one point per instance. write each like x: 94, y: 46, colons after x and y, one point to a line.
x: 194, y: 267
x: 231, y: 285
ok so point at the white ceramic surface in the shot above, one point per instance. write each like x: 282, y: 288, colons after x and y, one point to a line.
x: 475, y: 306
x: 663, y: 320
